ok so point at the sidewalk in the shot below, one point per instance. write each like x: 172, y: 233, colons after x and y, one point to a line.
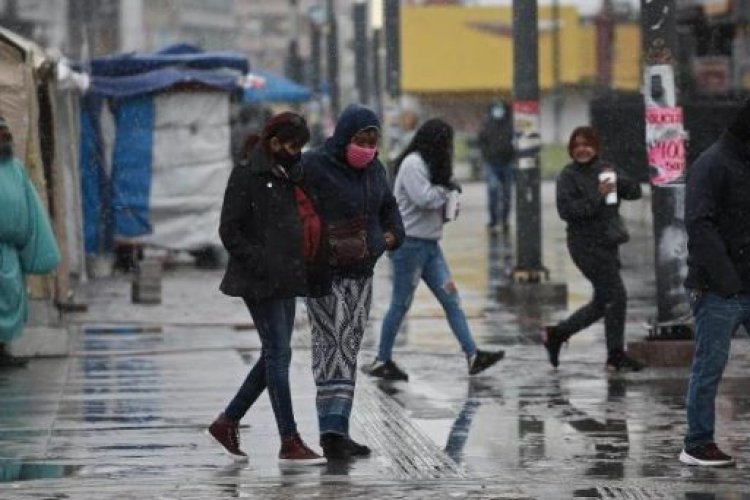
x: 123, y: 416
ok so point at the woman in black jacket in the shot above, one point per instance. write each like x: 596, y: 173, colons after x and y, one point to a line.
x: 590, y: 206
x: 271, y: 240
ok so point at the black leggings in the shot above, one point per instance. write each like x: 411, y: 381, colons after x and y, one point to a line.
x: 601, y: 266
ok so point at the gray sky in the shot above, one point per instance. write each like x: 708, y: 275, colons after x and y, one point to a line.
x: 586, y: 7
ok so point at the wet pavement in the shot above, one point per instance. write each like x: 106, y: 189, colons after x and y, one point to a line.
x: 123, y: 416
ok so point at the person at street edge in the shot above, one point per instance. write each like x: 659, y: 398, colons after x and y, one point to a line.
x: 27, y: 245
x: 717, y: 218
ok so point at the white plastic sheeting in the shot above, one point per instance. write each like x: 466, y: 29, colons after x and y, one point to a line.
x: 190, y: 168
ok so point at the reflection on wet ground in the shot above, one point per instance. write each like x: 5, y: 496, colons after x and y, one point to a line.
x: 124, y: 416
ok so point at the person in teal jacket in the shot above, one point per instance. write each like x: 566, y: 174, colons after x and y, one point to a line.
x: 27, y: 244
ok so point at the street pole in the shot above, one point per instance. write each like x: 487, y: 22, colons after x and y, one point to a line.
x: 530, y: 283
x: 392, y: 19
x: 333, y: 58
x: 529, y: 266
x: 361, y: 77
x: 665, y: 144
x: 556, y: 78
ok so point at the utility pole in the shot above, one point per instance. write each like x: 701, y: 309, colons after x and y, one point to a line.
x: 557, y: 96
x: 361, y: 53
x: 666, y: 158
x: 333, y: 58
x: 530, y: 279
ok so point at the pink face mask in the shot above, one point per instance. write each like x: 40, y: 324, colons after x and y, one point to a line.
x: 358, y: 156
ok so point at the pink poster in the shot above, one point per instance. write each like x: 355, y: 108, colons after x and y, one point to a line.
x: 665, y: 141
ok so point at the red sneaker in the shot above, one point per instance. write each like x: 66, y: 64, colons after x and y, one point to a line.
x: 227, y: 433
x: 295, y: 451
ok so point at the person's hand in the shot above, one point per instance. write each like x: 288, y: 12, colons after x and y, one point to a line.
x: 390, y: 241
x: 606, y: 187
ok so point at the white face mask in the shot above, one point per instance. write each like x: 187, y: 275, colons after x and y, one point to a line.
x: 498, y: 112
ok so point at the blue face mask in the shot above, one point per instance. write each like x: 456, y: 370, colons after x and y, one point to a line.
x: 498, y: 112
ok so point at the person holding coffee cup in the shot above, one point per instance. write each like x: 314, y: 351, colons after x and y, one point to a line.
x: 427, y: 198
x: 588, y: 199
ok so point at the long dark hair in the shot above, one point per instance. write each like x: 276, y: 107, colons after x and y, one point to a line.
x: 434, y: 143
x: 286, y: 126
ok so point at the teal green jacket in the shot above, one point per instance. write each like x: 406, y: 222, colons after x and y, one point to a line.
x: 27, y: 245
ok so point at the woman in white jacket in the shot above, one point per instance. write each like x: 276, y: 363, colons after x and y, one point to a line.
x: 423, y: 188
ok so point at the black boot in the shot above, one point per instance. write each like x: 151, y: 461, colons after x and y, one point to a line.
x: 618, y: 361
x: 553, y: 342
x: 335, y: 446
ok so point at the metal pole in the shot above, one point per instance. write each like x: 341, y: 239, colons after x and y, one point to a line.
x: 659, y: 28
x: 377, y: 77
x: 557, y: 89
x: 392, y: 21
x: 333, y: 58
x: 361, y: 77
x: 529, y: 266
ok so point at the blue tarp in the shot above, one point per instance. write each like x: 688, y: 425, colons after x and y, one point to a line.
x: 132, y: 74
x: 275, y: 89
x: 182, y: 55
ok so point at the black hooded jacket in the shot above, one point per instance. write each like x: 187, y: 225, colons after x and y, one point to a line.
x: 342, y: 193
x: 717, y: 218
x: 262, y: 231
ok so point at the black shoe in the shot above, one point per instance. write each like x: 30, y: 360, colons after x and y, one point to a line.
x: 506, y: 229
x: 553, y: 342
x: 335, y: 446
x: 481, y: 360
x: 387, y: 370
x: 621, y: 362
x: 358, y: 450
x: 708, y: 455
x: 8, y: 361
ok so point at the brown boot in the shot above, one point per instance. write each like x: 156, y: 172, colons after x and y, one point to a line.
x: 295, y: 451
x: 227, y: 433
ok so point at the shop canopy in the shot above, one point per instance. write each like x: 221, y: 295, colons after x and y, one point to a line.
x: 264, y: 86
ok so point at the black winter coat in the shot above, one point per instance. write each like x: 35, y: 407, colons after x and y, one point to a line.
x: 342, y: 192
x: 262, y: 231
x: 496, y: 141
x: 717, y: 218
x: 582, y: 207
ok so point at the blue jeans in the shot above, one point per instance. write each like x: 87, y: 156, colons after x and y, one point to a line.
x: 716, y: 320
x: 274, y: 320
x: 422, y: 259
x: 499, y: 192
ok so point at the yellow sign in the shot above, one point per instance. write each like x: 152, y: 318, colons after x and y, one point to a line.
x: 452, y: 48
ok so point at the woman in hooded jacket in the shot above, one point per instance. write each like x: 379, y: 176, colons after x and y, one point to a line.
x: 360, y: 221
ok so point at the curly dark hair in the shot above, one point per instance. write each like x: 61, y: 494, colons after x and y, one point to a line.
x: 286, y: 126
x: 434, y: 143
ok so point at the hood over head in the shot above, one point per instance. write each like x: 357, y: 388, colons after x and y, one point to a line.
x: 353, y: 119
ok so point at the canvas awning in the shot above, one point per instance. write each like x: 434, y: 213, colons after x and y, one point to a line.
x: 264, y: 86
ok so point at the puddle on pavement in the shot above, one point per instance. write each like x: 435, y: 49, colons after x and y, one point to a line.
x: 14, y: 469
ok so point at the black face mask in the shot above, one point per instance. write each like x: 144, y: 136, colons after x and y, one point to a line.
x: 285, y: 159
x: 6, y: 150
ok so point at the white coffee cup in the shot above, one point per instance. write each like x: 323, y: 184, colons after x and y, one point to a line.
x: 609, y: 176
x: 451, y: 207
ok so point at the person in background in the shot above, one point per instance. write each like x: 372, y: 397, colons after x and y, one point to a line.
x: 717, y: 218
x: 272, y: 260
x: 27, y: 245
x: 587, y: 203
x: 498, y: 153
x: 361, y: 220
x: 424, y: 187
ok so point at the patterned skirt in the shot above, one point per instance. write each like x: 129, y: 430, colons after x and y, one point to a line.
x: 338, y: 323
